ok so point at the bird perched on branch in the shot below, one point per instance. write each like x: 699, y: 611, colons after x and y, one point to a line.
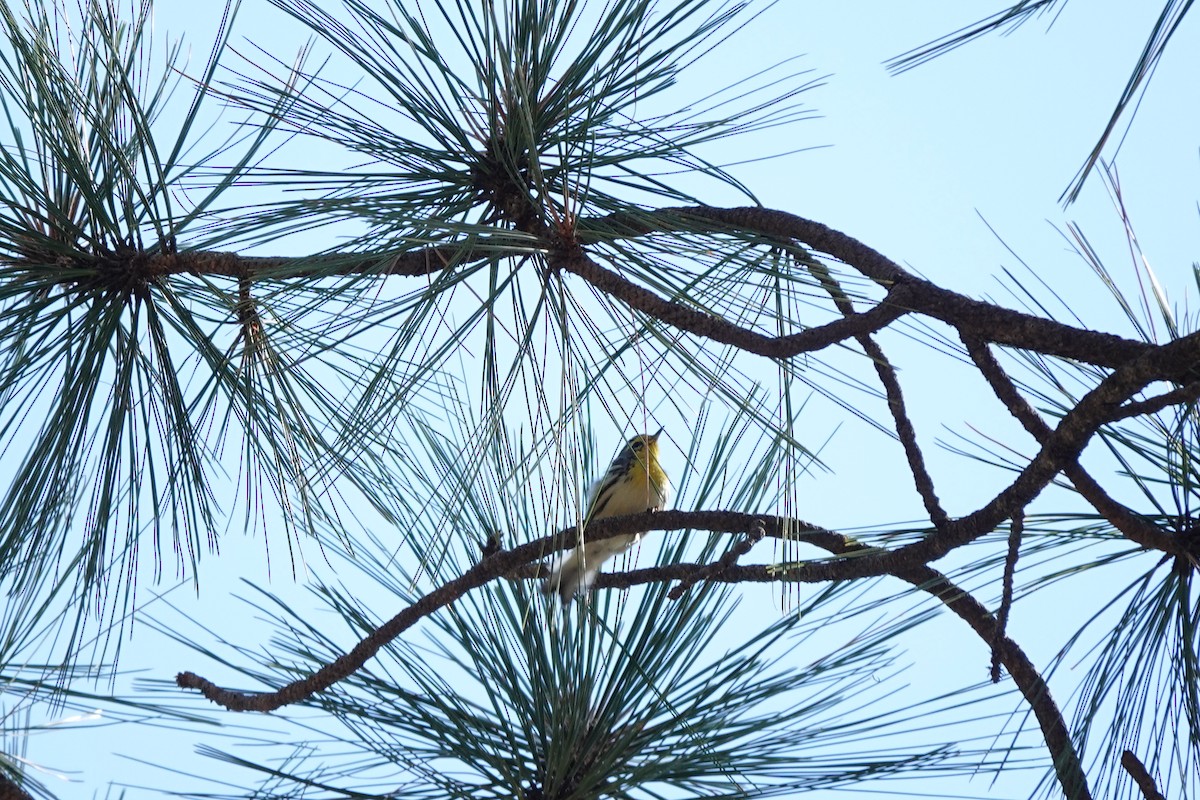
x: 635, y: 482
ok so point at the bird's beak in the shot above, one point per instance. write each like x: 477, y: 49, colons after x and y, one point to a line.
x: 654, y: 438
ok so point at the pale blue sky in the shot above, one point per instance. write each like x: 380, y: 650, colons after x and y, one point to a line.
x: 908, y: 164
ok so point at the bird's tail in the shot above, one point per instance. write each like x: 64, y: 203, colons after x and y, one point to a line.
x: 577, y: 572
x: 570, y: 577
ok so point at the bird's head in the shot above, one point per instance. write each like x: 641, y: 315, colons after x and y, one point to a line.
x: 645, y: 447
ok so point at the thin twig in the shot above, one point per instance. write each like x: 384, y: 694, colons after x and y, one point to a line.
x: 891, y: 386
x: 718, y: 329
x: 907, y: 433
x: 728, y: 559
x: 1006, y: 589
x: 1188, y: 393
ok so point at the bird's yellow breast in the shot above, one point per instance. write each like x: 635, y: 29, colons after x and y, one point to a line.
x: 643, y: 488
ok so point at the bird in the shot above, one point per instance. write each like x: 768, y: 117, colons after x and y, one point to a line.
x: 634, y: 482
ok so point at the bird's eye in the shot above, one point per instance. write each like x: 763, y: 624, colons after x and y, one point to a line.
x: 638, y: 445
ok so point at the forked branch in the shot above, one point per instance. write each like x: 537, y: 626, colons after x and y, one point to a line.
x: 846, y: 549
x: 1133, y: 366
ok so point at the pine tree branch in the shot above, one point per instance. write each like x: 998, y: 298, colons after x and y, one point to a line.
x: 906, y: 292
x: 972, y: 317
x: 1141, y: 776
x: 720, y: 330
x: 1028, y: 680
x: 891, y: 386
x: 855, y: 561
x: 411, y: 263
x: 1124, y: 519
x: 505, y: 562
x: 501, y: 564
x: 1015, y: 530
x: 1188, y: 393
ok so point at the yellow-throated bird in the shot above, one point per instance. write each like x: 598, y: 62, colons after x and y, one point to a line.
x: 634, y: 482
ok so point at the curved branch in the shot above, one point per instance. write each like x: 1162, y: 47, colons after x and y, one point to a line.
x: 488, y: 569
x: 895, y: 397
x: 1188, y: 393
x: 1006, y: 587
x: 907, y: 433
x: 1123, y: 518
x: 1024, y: 674
x: 495, y: 566
x: 720, y: 330
x: 906, y: 292
x: 856, y: 561
x: 993, y: 323
x: 1030, y: 682
x: 1175, y: 361
x: 925, y: 578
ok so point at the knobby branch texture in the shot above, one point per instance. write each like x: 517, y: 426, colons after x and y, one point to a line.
x: 1131, y: 368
